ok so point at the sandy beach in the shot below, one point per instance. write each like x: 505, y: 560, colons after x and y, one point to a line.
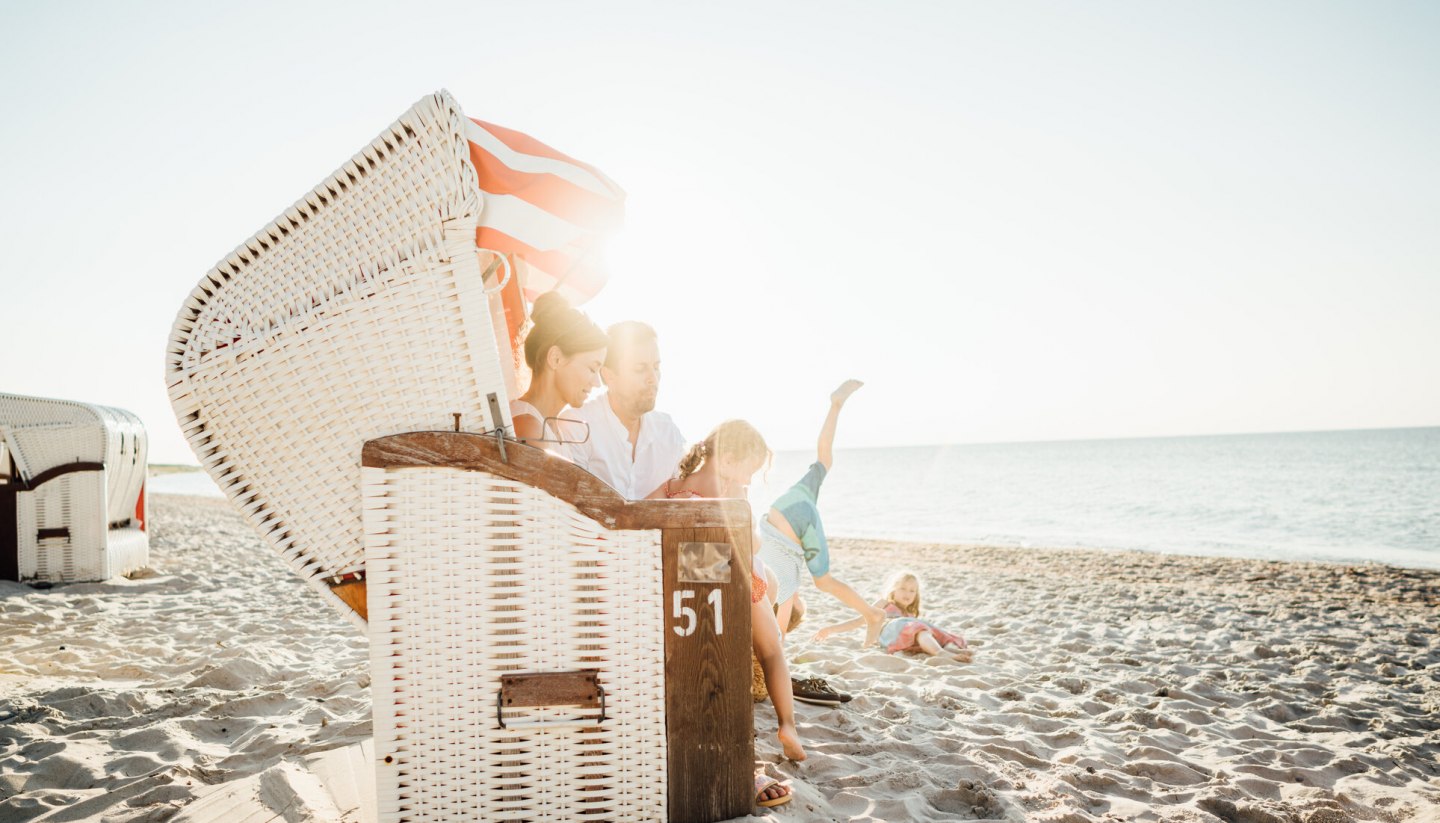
x: 1106, y: 686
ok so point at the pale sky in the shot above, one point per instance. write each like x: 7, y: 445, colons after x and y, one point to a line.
x: 1014, y: 221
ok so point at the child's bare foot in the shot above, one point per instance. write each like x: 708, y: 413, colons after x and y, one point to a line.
x: 960, y: 654
x: 874, y: 622
x: 840, y: 395
x: 790, y: 742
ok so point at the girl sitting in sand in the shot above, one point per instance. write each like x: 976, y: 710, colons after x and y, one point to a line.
x: 564, y: 351
x: 904, y: 630
x: 722, y: 465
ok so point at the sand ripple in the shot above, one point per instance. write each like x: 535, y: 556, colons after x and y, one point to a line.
x: 125, y: 700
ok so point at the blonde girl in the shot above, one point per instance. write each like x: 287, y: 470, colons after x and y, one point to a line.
x: 722, y: 465
x: 904, y: 630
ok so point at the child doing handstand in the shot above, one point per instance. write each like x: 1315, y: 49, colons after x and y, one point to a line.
x: 905, y: 631
x: 792, y: 537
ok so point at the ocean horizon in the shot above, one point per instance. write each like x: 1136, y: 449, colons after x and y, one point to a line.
x: 1349, y: 496
x: 1354, y: 495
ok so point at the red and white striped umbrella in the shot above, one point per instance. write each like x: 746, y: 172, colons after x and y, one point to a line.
x: 544, y: 207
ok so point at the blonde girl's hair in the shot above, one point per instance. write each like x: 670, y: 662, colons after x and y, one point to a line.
x: 893, y: 582
x: 736, y: 439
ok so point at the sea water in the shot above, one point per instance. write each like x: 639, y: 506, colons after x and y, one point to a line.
x: 1348, y: 496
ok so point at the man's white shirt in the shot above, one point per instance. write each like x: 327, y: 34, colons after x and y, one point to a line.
x: 658, y: 448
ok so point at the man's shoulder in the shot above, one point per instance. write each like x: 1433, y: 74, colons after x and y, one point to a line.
x: 665, y: 424
x: 660, y: 418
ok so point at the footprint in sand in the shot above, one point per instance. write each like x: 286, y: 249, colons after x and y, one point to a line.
x: 1235, y: 813
x: 888, y: 663
x: 969, y: 798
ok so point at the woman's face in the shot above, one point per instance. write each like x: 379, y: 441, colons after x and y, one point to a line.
x: 577, y: 375
x: 905, y: 593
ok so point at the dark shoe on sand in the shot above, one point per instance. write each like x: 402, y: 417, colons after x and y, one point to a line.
x: 817, y: 691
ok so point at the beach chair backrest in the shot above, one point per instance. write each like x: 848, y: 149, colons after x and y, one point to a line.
x: 357, y: 313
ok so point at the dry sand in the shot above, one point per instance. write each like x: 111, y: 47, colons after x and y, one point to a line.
x: 1106, y: 686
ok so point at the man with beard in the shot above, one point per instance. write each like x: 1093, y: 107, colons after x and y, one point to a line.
x: 631, y: 446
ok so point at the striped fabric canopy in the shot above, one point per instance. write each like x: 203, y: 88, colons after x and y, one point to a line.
x: 545, y: 208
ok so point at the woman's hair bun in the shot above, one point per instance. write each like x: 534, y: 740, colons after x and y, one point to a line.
x: 554, y: 322
x: 549, y: 307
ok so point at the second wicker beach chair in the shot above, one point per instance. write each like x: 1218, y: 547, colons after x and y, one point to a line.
x: 72, y: 490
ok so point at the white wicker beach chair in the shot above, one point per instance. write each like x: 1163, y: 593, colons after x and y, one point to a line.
x: 72, y: 490
x: 362, y: 313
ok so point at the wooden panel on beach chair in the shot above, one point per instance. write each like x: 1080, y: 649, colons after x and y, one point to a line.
x: 547, y: 509
x: 707, y: 682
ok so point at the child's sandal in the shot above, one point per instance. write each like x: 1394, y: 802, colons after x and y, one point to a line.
x: 764, y: 783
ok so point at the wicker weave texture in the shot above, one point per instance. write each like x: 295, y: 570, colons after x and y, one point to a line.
x: 95, y: 510
x: 472, y: 577
x: 359, y: 312
x: 127, y: 456
x: 75, y: 503
x: 46, y: 433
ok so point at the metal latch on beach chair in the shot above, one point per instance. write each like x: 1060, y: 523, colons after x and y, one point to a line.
x: 550, y: 423
x: 535, y: 689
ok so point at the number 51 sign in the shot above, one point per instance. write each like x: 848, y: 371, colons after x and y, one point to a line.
x: 700, y: 563
x: 686, y: 620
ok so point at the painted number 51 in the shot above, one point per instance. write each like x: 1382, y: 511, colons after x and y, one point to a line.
x: 686, y: 619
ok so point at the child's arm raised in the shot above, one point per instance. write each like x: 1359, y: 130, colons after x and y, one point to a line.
x: 825, y: 448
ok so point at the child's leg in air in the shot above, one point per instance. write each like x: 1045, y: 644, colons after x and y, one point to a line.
x: 825, y: 444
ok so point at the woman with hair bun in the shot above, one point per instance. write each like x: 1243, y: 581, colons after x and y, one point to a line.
x: 564, y: 351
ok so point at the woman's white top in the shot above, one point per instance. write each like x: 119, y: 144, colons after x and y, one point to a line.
x: 520, y: 408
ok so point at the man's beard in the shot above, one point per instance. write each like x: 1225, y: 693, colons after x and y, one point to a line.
x: 642, y: 403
